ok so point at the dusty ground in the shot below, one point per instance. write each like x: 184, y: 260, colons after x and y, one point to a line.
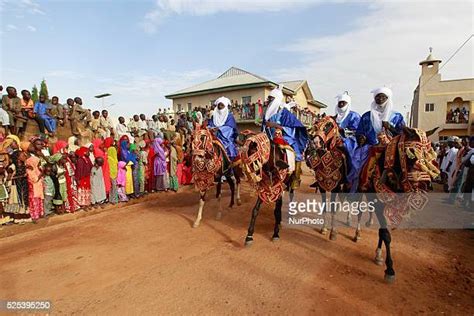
x: 146, y: 259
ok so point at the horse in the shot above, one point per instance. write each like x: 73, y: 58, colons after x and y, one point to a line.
x: 399, y: 171
x: 265, y: 163
x: 210, y: 163
x: 328, y: 158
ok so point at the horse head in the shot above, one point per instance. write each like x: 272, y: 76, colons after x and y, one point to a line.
x: 255, y: 153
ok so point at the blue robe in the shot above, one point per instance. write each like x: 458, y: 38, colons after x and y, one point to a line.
x: 366, y: 128
x: 351, y: 122
x: 358, y: 158
x: 294, y: 132
x: 41, y: 109
x: 227, y: 134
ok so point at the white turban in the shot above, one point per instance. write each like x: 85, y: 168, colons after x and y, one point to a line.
x: 277, y: 102
x: 380, y: 113
x: 343, y: 112
x: 220, y: 116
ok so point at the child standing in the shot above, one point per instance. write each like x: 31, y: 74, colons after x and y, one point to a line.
x: 35, y: 188
x: 99, y: 195
x: 49, y: 191
x: 122, y: 181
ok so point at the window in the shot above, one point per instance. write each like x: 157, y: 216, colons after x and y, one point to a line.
x: 246, y: 100
x: 429, y: 107
x: 179, y: 108
x: 190, y: 107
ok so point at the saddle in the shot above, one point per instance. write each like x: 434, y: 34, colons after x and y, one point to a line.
x: 264, y: 172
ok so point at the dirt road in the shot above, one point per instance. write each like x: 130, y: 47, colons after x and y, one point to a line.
x: 147, y: 259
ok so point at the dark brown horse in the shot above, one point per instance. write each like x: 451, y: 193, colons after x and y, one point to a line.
x: 265, y: 164
x: 398, y: 171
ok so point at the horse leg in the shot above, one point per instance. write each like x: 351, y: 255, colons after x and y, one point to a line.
x: 333, y: 234
x: 291, y: 194
x: 237, y: 180
x: 378, y: 252
x: 370, y: 222
x: 256, y: 208
x: 232, y: 189
x: 201, y: 206
x: 218, y: 196
x: 277, y: 213
x: 384, y: 234
x: 357, y: 233
x: 324, y: 229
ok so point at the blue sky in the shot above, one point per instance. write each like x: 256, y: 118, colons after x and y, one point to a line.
x: 141, y: 50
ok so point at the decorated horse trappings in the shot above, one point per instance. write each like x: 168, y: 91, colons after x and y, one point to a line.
x: 327, y: 157
x: 266, y: 166
x: 210, y: 163
x: 400, y: 171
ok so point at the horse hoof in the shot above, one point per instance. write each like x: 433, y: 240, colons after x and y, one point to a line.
x: 368, y: 224
x: 195, y: 225
x: 230, y: 205
x: 333, y: 235
x: 324, y: 231
x: 248, y: 241
x: 275, y: 238
x: 239, y: 202
x: 389, y: 278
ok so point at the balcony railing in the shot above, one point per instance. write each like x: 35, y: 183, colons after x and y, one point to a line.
x: 255, y: 112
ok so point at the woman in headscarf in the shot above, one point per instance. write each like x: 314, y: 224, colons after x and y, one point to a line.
x: 73, y: 143
x: 35, y: 187
x: 60, y: 198
x: 173, y: 157
x: 380, y: 117
x: 225, y: 126
x: 150, y: 172
x: 135, y: 169
x: 112, y: 162
x: 100, y: 153
x: 159, y: 165
x: 72, y: 204
x: 143, y: 165
x: 17, y: 206
x: 180, y: 157
x: 83, y: 176
x: 129, y: 159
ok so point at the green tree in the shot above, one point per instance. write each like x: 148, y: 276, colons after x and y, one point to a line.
x: 44, y: 89
x: 34, y: 94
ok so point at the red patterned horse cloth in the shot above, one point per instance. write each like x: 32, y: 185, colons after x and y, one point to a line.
x: 327, y: 159
x: 409, y: 166
x: 207, y: 159
x: 256, y: 152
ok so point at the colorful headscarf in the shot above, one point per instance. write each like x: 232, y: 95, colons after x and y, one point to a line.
x: 108, y: 142
x: 60, y: 147
x: 81, y: 152
x: 15, y: 138
x: 71, y: 142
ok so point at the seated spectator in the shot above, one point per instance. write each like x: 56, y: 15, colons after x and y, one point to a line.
x: 77, y: 114
x: 41, y: 112
x: 12, y: 105
x: 57, y: 110
x: 106, y: 123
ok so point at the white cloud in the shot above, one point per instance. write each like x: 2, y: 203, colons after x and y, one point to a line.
x: 384, y: 48
x: 11, y: 27
x: 31, y: 28
x: 32, y: 6
x: 165, y: 8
